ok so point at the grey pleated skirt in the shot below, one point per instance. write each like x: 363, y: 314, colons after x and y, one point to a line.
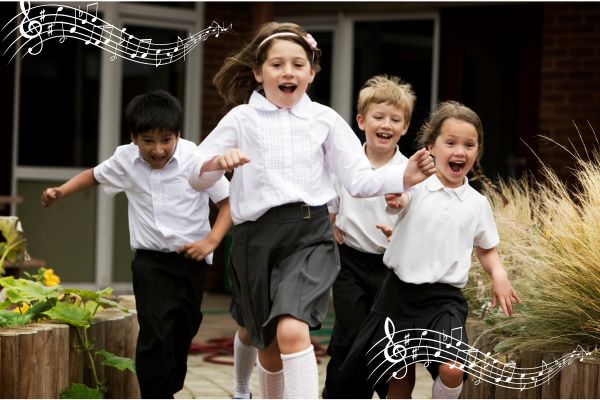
x: 284, y: 263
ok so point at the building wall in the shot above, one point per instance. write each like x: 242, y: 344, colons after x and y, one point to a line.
x: 570, y: 79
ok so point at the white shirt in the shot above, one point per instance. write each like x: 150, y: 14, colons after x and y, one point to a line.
x: 292, y: 153
x: 164, y: 211
x: 357, y: 217
x: 434, y: 235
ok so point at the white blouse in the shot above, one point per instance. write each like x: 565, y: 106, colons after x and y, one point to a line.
x: 358, y: 217
x: 164, y: 211
x: 292, y: 152
x: 434, y: 234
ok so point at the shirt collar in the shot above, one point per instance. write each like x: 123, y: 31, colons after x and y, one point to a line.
x: 433, y: 184
x: 301, y: 109
x: 397, y: 155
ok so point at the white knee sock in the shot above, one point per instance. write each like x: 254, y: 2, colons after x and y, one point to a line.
x: 244, y: 358
x: 271, y: 383
x: 301, y: 375
x: 441, y: 391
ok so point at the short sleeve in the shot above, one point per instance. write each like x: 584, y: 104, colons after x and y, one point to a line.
x: 219, y: 191
x: 111, y: 174
x: 486, y: 234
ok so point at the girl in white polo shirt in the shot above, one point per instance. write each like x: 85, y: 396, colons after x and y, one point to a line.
x: 283, y: 256
x: 439, y: 223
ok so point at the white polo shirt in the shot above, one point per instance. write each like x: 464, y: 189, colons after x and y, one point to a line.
x: 434, y: 235
x: 164, y: 211
x: 292, y: 153
x: 357, y: 217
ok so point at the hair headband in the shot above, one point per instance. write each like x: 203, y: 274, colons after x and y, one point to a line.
x: 312, y: 43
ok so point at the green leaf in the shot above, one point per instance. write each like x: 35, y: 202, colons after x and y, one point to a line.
x: 112, y: 360
x: 37, y: 310
x: 15, y: 245
x: 11, y: 318
x: 19, y: 290
x: 70, y: 314
x: 81, y: 391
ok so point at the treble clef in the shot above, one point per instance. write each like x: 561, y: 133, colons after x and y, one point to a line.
x: 34, y: 26
x: 398, y: 351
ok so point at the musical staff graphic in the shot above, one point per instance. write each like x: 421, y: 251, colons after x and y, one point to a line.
x: 399, y: 349
x: 41, y: 23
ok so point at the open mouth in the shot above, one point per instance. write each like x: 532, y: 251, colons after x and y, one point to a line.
x: 383, y: 135
x: 456, y: 166
x: 288, y: 88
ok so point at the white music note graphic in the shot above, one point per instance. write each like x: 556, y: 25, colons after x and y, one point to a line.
x: 36, y: 24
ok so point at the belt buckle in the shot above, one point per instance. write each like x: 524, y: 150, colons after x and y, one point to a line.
x: 305, y: 210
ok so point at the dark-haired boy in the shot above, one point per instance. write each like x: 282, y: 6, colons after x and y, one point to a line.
x: 169, y: 231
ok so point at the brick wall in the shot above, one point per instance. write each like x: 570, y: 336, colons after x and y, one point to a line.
x: 570, y: 79
x: 215, y: 52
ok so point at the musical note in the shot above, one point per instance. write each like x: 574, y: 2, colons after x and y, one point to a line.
x: 87, y: 9
x: 74, y: 22
x: 33, y: 25
x: 507, y: 365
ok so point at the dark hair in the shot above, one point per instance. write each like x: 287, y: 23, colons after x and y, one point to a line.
x: 235, y: 80
x: 154, y: 110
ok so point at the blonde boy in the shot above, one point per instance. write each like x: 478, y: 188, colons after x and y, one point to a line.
x: 385, y: 105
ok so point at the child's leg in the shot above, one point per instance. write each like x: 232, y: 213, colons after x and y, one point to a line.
x: 448, y: 384
x: 301, y: 375
x: 402, y: 388
x: 244, y: 358
x: 270, y: 372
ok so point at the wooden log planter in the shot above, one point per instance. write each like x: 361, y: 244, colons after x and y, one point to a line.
x: 40, y: 360
x: 578, y: 380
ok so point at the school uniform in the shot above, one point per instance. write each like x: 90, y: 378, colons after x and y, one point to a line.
x: 284, y: 257
x: 361, y: 275
x: 429, y: 257
x: 164, y: 213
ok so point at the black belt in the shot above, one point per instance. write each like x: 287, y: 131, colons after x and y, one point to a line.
x: 293, y: 212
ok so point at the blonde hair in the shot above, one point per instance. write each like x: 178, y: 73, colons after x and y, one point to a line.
x: 235, y: 80
x: 387, y: 89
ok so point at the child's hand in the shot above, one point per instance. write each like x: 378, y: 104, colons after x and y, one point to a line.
x: 397, y: 201
x: 231, y: 159
x: 338, y: 235
x: 198, y: 250
x: 420, y: 166
x: 503, y: 293
x: 387, y: 230
x: 50, y: 195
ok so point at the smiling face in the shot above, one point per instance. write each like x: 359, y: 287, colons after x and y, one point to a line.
x: 285, y: 74
x: 455, y: 151
x: 384, y: 124
x: 156, y: 147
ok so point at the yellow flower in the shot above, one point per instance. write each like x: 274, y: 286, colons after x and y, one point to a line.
x: 23, y: 309
x: 50, y: 279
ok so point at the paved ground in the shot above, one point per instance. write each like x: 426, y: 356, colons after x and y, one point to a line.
x: 210, y: 374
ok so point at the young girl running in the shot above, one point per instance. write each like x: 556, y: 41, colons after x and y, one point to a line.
x: 439, y: 223
x: 283, y: 255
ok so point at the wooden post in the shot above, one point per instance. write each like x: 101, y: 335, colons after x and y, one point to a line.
x: 9, y: 361
x: 580, y: 380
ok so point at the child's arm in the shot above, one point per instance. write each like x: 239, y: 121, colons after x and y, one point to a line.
x: 386, y: 230
x: 229, y: 160
x: 338, y: 234
x: 79, y: 182
x: 503, y: 293
x: 199, y: 249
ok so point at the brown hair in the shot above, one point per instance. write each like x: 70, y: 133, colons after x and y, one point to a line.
x: 453, y: 109
x: 235, y: 80
x: 387, y: 89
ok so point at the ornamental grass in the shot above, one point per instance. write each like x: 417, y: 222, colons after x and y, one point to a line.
x: 550, y: 246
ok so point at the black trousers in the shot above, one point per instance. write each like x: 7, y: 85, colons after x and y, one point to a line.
x: 354, y: 291
x: 168, y: 290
